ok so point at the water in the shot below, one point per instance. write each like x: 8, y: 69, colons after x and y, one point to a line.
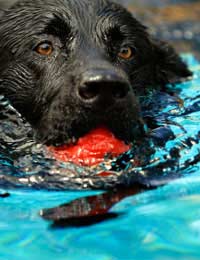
x: 162, y: 222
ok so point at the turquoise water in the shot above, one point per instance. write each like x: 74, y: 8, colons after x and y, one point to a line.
x: 163, y: 223
x: 160, y: 224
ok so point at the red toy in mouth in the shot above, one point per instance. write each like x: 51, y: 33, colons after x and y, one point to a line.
x: 91, y: 149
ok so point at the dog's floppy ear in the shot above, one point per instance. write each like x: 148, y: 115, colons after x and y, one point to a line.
x: 169, y: 65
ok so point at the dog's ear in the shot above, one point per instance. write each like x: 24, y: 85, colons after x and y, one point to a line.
x: 170, y: 68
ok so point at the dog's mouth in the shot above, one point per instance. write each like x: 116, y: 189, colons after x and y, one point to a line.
x: 89, y: 138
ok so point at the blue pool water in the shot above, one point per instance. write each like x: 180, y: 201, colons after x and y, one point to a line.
x: 162, y: 224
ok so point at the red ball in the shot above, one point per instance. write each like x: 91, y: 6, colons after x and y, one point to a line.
x: 91, y: 149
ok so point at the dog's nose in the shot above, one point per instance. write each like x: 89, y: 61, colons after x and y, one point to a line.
x: 103, y: 86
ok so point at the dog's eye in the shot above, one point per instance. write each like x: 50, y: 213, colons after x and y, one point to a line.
x: 125, y: 53
x: 44, y: 48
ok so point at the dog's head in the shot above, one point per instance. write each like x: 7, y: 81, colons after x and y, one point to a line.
x: 71, y: 65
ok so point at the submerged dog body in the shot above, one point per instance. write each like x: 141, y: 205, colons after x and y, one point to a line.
x: 69, y: 66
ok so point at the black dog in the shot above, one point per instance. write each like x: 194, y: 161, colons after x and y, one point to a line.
x: 71, y: 65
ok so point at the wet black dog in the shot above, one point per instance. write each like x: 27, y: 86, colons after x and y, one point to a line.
x: 71, y: 65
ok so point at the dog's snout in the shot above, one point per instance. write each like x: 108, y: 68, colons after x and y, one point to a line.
x: 103, y: 85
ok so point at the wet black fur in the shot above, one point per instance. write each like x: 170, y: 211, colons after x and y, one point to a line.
x: 86, y: 35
